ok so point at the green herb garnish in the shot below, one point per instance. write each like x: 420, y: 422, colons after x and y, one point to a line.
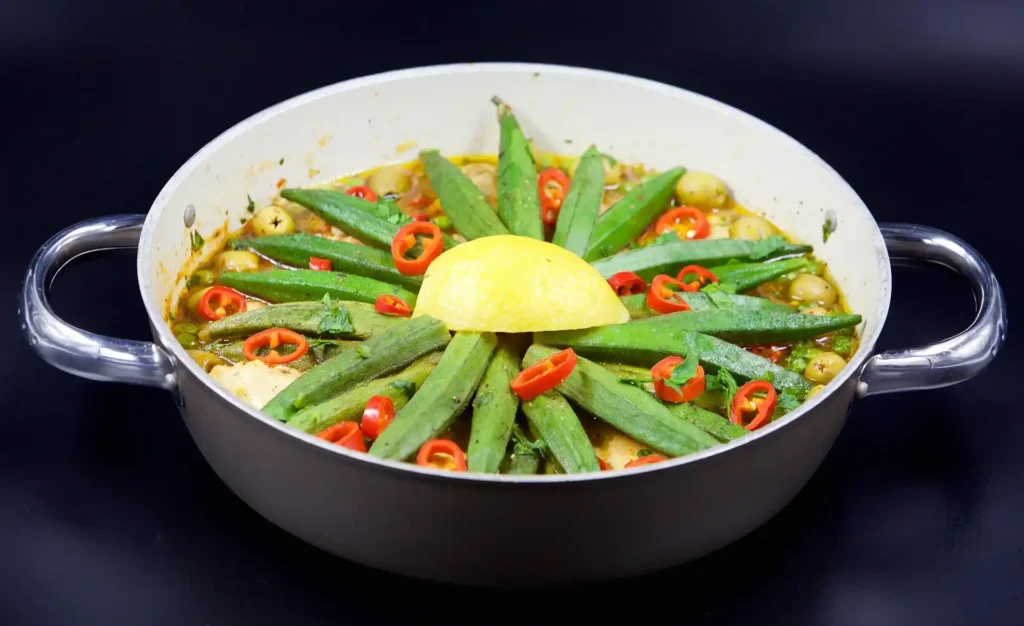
x: 335, y: 319
x: 407, y: 387
x: 723, y: 381
x: 197, y: 241
x: 251, y: 206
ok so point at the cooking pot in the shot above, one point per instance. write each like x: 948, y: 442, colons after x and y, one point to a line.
x: 499, y: 529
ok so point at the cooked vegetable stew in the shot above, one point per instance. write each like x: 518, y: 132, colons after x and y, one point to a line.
x: 657, y: 316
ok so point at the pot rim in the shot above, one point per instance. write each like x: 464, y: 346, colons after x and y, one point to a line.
x: 169, y: 343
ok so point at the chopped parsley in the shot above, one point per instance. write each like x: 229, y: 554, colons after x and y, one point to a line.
x: 828, y: 227
x: 800, y: 356
x: 641, y: 453
x: 681, y: 374
x: 197, y: 241
x: 281, y: 162
x: 335, y: 320
x: 251, y: 207
x: 723, y: 381
x: 407, y: 387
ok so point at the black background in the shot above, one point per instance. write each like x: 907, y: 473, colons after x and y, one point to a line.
x: 108, y: 514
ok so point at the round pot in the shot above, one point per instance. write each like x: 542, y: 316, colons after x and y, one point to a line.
x: 498, y: 529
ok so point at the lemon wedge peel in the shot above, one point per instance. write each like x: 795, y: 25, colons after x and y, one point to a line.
x: 515, y: 284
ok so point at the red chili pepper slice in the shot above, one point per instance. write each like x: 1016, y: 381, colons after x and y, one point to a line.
x: 744, y: 403
x: 219, y: 302
x: 646, y: 460
x: 378, y: 415
x: 552, y: 185
x: 662, y: 299
x: 772, y: 353
x: 627, y: 284
x: 362, y: 191
x: 272, y: 338
x: 405, y: 240
x: 687, y: 222
x: 392, y: 305
x: 323, y: 265
x: 690, y: 390
x: 702, y: 274
x: 544, y: 375
x: 346, y: 435
x: 604, y: 466
x: 442, y: 454
x: 422, y: 217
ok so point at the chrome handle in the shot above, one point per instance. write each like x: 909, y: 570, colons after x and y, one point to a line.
x: 958, y: 358
x: 71, y: 349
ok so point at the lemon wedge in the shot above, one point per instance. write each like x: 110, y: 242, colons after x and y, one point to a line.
x: 513, y: 284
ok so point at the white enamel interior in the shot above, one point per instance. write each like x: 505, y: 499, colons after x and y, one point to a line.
x: 363, y: 122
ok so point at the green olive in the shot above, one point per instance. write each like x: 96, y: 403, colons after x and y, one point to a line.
x: 484, y: 176
x: 187, y: 340
x: 701, y: 190
x: 815, y: 310
x: 389, y: 179
x: 815, y: 390
x: 824, y: 367
x: 203, y: 277
x: 751, y: 228
x: 813, y: 289
x: 237, y: 261
x: 612, y: 170
x: 194, y: 296
x: 206, y: 360
x: 273, y: 220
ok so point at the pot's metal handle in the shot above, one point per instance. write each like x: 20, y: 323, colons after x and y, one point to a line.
x: 71, y: 349
x: 958, y: 358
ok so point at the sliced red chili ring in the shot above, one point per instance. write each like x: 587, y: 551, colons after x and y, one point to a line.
x: 323, y: 265
x: 362, y: 191
x: 442, y: 454
x: 378, y: 415
x: 421, y: 217
x: 772, y: 353
x: 272, y: 338
x: 646, y: 460
x: 687, y: 222
x: 744, y: 403
x: 627, y: 284
x: 345, y: 434
x: 552, y: 186
x: 603, y: 465
x: 662, y: 299
x: 688, y: 391
x: 392, y: 305
x: 219, y: 302
x: 544, y: 375
x: 702, y: 274
x: 405, y: 240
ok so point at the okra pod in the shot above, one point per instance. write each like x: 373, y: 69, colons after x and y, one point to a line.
x: 631, y: 215
x: 380, y: 355
x: 557, y: 425
x: 494, y: 411
x: 344, y: 256
x: 639, y: 345
x: 751, y: 328
x: 581, y: 205
x: 706, y: 301
x: 308, y: 318
x: 349, y: 405
x: 373, y: 223
x: 305, y: 285
x: 745, y: 276
x: 462, y: 200
x: 629, y: 409
x: 668, y: 258
x: 712, y: 423
x: 441, y: 399
x: 518, y: 201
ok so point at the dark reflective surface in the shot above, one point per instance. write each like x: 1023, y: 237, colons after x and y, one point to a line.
x: 109, y: 515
